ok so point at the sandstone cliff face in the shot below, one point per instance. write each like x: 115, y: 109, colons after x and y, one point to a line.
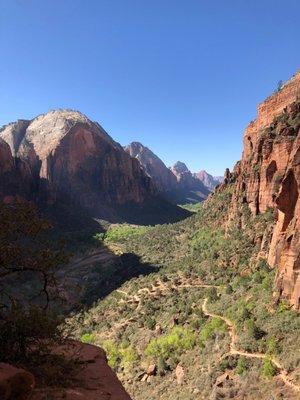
x: 15, y: 177
x: 269, y: 176
x: 71, y: 155
x: 62, y: 155
x: 208, y: 180
x: 163, y: 178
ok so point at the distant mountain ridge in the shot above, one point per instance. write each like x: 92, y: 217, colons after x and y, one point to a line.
x: 63, y: 157
x: 176, y: 183
x: 153, y: 166
x: 208, y: 180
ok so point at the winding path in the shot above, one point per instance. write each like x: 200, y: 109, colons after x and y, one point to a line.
x: 283, y: 374
x: 162, y: 288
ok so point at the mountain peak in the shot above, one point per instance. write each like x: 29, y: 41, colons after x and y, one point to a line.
x: 180, y: 167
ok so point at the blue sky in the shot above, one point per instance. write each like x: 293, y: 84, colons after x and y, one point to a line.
x: 182, y: 77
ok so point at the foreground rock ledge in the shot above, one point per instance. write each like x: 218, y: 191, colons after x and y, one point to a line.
x: 95, y: 381
x: 15, y: 383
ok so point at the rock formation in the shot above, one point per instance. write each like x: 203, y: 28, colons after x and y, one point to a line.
x: 162, y: 177
x: 268, y: 176
x: 93, y: 380
x: 208, y: 180
x: 63, y: 156
x: 177, y: 184
x: 188, y: 183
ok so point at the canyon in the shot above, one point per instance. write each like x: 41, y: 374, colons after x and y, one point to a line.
x: 194, y: 308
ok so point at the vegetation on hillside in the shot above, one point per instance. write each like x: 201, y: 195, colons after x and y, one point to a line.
x: 158, y: 318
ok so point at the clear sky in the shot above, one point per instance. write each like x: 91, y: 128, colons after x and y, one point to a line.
x: 182, y: 77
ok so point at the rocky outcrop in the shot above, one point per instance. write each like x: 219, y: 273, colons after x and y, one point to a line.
x: 63, y: 156
x: 208, y: 180
x: 154, y: 167
x: 94, y: 381
x: 187, y: 182
x: 91, y: 379
x: 268, y: 176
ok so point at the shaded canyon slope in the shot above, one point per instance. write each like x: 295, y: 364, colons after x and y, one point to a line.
x: 63, y: 157
x: 268, y: 176
x: 176, y: 184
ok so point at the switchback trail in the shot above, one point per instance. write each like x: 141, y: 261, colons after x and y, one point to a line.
x: 283, y: 374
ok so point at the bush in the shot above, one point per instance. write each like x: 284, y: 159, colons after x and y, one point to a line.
x: 128, y: 357
x: 268, y: 369
x: 118, y: 355
x: 242, y: 366
x: 172, y: 344
x: 88, y: 338
x: 213, y: 326
x: 112, y: 351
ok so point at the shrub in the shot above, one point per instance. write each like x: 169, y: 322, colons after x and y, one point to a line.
x: 174, y: 343
x: 112, y: 351
x: 88, y: 338
x: 99, y: 236
x: 118, y: 355
x: 213, y: 326
x: 128, y: 357
x: 271, y: 345
x: 242, y: 366
x: 268, y: 369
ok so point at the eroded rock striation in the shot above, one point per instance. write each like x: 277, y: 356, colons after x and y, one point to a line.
x: 268, y: 176
x: 63, y: 156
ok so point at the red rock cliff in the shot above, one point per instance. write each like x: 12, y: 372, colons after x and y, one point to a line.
x: 269, y: 176
x: 63, y: 156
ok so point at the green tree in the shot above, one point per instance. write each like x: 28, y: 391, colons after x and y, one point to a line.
x: 268, y: 369
x: 27, y: 262
x: 242, y: 366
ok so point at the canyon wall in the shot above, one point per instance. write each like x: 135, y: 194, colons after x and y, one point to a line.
x: 268, y: 176
x: 62, y: 156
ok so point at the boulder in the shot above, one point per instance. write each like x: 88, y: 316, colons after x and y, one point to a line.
x: 151, y: 370
x: 179, y: 372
